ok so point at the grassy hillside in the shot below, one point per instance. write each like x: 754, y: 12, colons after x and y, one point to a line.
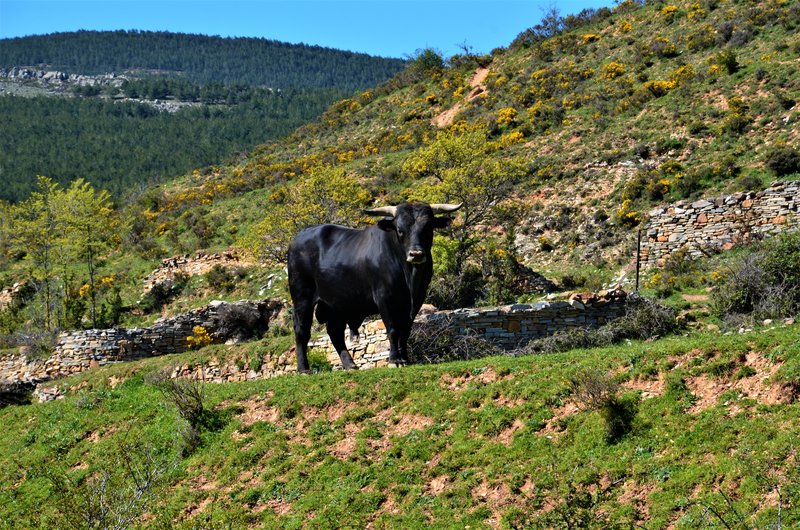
x: 558, y: 144
x: 639, y: 104
x: 495, y: 443
x: 617, y: 111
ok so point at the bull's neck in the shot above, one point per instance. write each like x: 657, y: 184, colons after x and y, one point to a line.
x: 418, y: 277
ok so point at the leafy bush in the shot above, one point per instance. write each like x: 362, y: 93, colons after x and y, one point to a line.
x: 764, y: 283
x: 783, y: 161
x: 594, y: 390
x: 188, y: 396
x: 223, y: 278
x: 163, y: 293
x: 436, y: 341
x: 241, y: 322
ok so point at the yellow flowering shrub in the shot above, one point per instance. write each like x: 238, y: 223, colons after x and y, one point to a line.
x: 199, y: 338
x: 509, y: 139
x: 659, y: 87
x: 696, y: 11
x: 625, y: 26
x: 626, y: 215
x: 613, y: 70
x: 590, y: 37
x: 669, y: 11
x: 506, y: 116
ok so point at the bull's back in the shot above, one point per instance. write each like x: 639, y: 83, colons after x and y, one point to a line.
x: 339, y: 261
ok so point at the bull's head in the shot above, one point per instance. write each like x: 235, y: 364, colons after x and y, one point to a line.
x: 414, y: 224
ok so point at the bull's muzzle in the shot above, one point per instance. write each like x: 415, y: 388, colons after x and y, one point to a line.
x: 416, y: 257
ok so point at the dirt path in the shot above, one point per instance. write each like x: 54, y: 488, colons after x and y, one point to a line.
x: 447, y: 117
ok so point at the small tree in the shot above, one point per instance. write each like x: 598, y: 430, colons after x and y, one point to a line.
x: 464, y: 167
x: 327, y: 195
x: 37, y: 235
x: 90, y: 227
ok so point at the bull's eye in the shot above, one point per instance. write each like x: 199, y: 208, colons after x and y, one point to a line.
x: 401, y: 233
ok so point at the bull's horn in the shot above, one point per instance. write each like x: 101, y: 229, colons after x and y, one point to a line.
x: 389, y: 211
x: 445, y: 208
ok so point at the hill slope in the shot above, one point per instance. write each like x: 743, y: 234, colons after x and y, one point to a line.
x: 495, y: 443
x: 600, y: 119
x: 112, y: 133
x: 199, y: 58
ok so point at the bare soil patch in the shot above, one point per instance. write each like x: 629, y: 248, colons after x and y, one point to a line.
x: 256, y: 409
x: 346, y: 447
x: 708, y: 390
x: 447, y: 117
x: 647, y: 388
x: 636, y: 495
x: 495, y: 497
x: 407, y: 423
x: 507, y: 435
x: 552, y: 426
x: 437, y: 485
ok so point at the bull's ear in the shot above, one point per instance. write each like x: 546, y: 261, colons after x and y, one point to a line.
x: 441, y: 222
x: 386, y: 224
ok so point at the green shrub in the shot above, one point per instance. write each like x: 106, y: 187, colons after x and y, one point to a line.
x: 764, y: 283
x: 643, y: 319
x: 783, y: 161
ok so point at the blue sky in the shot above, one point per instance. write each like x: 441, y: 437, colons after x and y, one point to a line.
x: 391, y: 28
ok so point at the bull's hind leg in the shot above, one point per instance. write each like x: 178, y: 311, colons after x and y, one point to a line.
x: 335, y: 329
x: 303, y: 298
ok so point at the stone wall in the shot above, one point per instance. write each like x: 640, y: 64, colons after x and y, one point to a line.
x: 80, y: 350
x: 719, y: 223
x: 507, y: 327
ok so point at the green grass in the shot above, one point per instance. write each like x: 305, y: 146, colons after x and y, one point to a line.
x: 459, y: 444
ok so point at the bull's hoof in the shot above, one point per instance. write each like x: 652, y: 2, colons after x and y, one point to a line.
x: 397, y: 363
x: 304, y: 371
x: 350, y: 367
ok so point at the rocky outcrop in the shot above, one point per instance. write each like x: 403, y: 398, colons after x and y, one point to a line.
x: 199, y: 263
x: 695, y: 228
x: 56, y: 79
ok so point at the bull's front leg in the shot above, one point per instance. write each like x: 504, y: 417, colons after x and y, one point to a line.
x: 395, y: 314
x: 398, y: 341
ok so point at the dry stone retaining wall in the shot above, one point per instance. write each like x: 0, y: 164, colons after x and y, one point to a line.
x: 506, y: 327
x: 719, y: 223
x: 80, y: 350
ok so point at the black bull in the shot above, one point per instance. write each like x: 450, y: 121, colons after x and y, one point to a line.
x: 349, y: 274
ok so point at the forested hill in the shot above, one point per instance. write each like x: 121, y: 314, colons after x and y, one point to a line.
x: 199, y: 58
